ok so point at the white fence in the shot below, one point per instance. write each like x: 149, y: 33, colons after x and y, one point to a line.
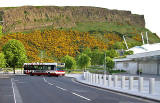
x: 123, y: 82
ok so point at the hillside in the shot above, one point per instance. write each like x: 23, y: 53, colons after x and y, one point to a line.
x: 51, y: 45
x: 25, y: 18
x: 49, y: 33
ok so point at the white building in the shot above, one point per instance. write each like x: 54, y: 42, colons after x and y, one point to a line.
x: 146, y: 48
x: 148, y: 60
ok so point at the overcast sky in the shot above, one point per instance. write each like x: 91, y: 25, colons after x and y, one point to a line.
x: 148, y: 8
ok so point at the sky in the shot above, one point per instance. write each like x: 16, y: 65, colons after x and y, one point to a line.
x: 148, y: 8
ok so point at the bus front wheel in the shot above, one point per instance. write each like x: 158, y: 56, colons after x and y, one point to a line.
x: 49, y: 74
x: 31, y: 74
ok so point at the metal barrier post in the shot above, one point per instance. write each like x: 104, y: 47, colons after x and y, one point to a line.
x: 109, y: 80
x: 140, y: 84
x: 115, y: 80
x: 130, y: 83
x: 123, y: 82
x: 151, y: 85
x: 104, y: 80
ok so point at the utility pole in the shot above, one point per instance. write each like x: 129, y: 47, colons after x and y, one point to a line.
x: 142, y: 38
x: 125, y: 42
x: 104, y: 62
x: 147, y: 37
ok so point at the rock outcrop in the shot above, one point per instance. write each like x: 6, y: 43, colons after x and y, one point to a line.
x: 29, y: 17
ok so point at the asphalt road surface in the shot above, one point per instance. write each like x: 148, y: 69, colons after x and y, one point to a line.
x: 39, y: 89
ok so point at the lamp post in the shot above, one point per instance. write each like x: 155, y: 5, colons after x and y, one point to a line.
x: 104, y: 62
x: 125, y: 41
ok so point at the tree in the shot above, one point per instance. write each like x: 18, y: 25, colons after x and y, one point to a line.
x: 112, y: 53
x: 0, y: 29
x: 2, y: 61
x: 87, y: 51
x: 69, y: 61
x: 129, y: 52
x: 83, y: 61
x: 15, y: 53
x: 109, y: 63
x: 97, y: 57
x: 118, y: 45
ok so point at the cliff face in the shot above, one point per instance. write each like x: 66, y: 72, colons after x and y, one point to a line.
x: 29, y: 17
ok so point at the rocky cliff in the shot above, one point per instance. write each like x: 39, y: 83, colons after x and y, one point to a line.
x: 29, y: 17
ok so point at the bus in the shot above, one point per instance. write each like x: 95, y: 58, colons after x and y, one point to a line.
x: 50, y: 69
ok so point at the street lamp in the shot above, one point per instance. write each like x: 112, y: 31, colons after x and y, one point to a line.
x: 104, y: 62
x: 125, y: 41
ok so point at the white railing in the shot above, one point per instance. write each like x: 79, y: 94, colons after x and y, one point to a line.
x: 122, y: 82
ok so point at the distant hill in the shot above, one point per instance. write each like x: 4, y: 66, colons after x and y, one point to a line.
x: 53, y: 32
x: 25, y: 18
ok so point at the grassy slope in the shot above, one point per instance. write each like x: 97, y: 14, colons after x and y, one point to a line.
x: 104, y: 27
x: 110, y: 27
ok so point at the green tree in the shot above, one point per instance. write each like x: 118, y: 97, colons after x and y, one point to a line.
x: 2, y: 61
x: 118, y: 45
x: 0, y: 29
x: 69, y: 61
x: 109, y: 63
x: 87, y: 51
x: 15, y: 53
x: 129, y: 52
x: 83, y: 61
x: 97, y: 57
x: 112, y: 53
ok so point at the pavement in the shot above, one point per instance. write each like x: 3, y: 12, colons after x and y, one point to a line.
x: 144, y: 94
x: 42, y: 89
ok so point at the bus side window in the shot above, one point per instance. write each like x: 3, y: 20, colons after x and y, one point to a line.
x: 49, y: 67
x: 31, y: 67
x: 45, y: 67
x: 40, y: 67
x: 53, y: 67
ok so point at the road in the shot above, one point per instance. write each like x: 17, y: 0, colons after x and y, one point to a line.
x: 39, y: 89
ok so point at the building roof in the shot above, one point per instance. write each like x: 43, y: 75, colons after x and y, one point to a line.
x: 145, y: 54
x: 122, y: 59
x: 152, y: 55
x: 146, y: 48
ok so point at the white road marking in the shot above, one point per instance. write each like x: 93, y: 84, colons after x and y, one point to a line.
x: 61, y: 88
x: 66, y: 90
x: 48, y: 82
x: 16, y: 94
x: 53, y: 84
x: 13, y: 91
x: 44, y: 79
x: 80, y: 96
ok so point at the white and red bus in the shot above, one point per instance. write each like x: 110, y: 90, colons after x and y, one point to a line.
x: 50, y: 69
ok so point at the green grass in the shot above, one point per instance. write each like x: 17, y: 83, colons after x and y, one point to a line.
x: 105, y: 26
x: 117, y: 71
x: 11, y: 69
x: 123, y: 29
x: 74, y: 71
